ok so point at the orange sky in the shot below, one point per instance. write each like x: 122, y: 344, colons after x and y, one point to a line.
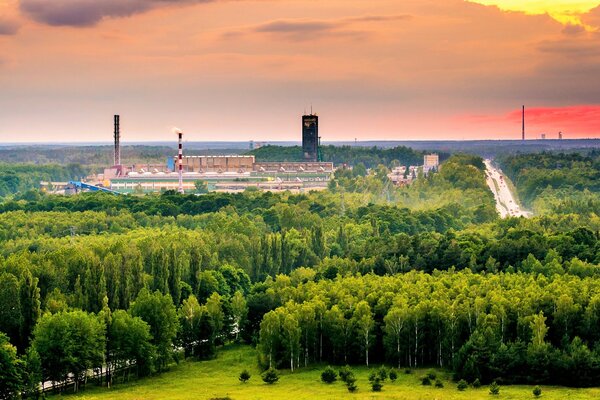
x: 241, y: 70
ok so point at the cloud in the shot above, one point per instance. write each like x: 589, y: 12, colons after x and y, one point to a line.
x: 298, y: 27
x: 309, y: 29
x: 592, y: 18
x: 573, y: 29
x: 8, y: 26
x: 89, y: 12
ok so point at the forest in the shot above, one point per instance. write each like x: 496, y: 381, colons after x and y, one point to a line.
x: 371, y: 157
x: 362, y: 274
x: 557, y: 183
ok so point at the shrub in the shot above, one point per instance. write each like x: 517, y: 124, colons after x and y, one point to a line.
x: 382, y: 373
x: 344, y: 372
x: 408, y: 371
x: 439, y: 384
x: 373, y: 376
x: 270, y: 376
x: 431, y: 374
x: 393, y: 375
x: 462, y: 385
x: 245, y: 376
x: 494, y: 388
x: 329, y: 375
x: 425, y: 381
x: 376, y: 385
x: 476, y: 383
x: 351, y: 383
x: 537, y: 391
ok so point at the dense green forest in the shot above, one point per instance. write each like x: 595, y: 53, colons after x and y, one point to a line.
x: 425, y: 275
x: 371, y: 157
x: 84, y: 155
x: 557, y: 183
x: 15, y: 178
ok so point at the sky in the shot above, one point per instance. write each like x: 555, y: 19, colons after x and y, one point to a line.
x: 248, y: 69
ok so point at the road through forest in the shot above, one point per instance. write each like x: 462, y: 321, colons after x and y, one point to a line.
x: 506, y: 203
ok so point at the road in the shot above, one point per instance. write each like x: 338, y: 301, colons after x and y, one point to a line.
x: 506, y: 204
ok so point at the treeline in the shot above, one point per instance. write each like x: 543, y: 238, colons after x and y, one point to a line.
x: 511, y: 328
x: 556, y: 183
x: 84, y: 155
x: 16, y: 178
x: 67, y: 344
x: 371, y: 157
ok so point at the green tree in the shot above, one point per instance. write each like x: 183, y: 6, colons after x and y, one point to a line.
x: 131, y: 343
x: 30, y: 306
x: 269, y: 334
x: 158, y: 311
x: 364, y: 325
x: 190, y: 317
x: 32, y: 373
x: 239, y: 311
x: 214, y: 307
x: 69, y: 343
x: 201, y: 187
x: 291, y: 337
x: 10, y: 307
x: 539, y: 330
x: 10, y: 376
x: 394, y: 321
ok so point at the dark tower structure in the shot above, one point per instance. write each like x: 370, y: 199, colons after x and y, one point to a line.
x: 523, y: 122
x: 310, y: 137
x: 117, y: 141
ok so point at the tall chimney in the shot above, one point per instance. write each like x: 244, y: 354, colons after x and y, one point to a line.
x: 117, y: 141
x: 523, y: 122
x: 180, y: 135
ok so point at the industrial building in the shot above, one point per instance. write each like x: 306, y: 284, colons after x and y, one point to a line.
x: 219, y: 164
x: 228, y: 173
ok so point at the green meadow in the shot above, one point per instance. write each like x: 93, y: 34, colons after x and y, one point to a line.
x: 218, y: 379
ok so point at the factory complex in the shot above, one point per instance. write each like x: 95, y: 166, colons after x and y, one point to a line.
x: 222, y: 173
x: 230, y: 173
x: 227, y: 173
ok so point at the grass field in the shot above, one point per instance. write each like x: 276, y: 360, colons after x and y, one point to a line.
x: 219, y: 379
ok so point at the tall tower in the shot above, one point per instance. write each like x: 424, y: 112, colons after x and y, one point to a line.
x: 117, y: 141
x: 180, y: 161
x: 523, y: 122
x: 310, y: 137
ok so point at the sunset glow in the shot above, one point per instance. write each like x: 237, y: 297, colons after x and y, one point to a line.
x: 241, y: 70
x: 565, y: 11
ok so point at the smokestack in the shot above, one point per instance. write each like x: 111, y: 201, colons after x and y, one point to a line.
x: 523, y: 122
x: 117, y: 141
x: 180, y: 135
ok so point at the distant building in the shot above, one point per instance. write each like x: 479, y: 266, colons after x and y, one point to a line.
x: 218, y: 164
x: 294, y: 167
x: 310, y: 137
x: 431, y: 161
